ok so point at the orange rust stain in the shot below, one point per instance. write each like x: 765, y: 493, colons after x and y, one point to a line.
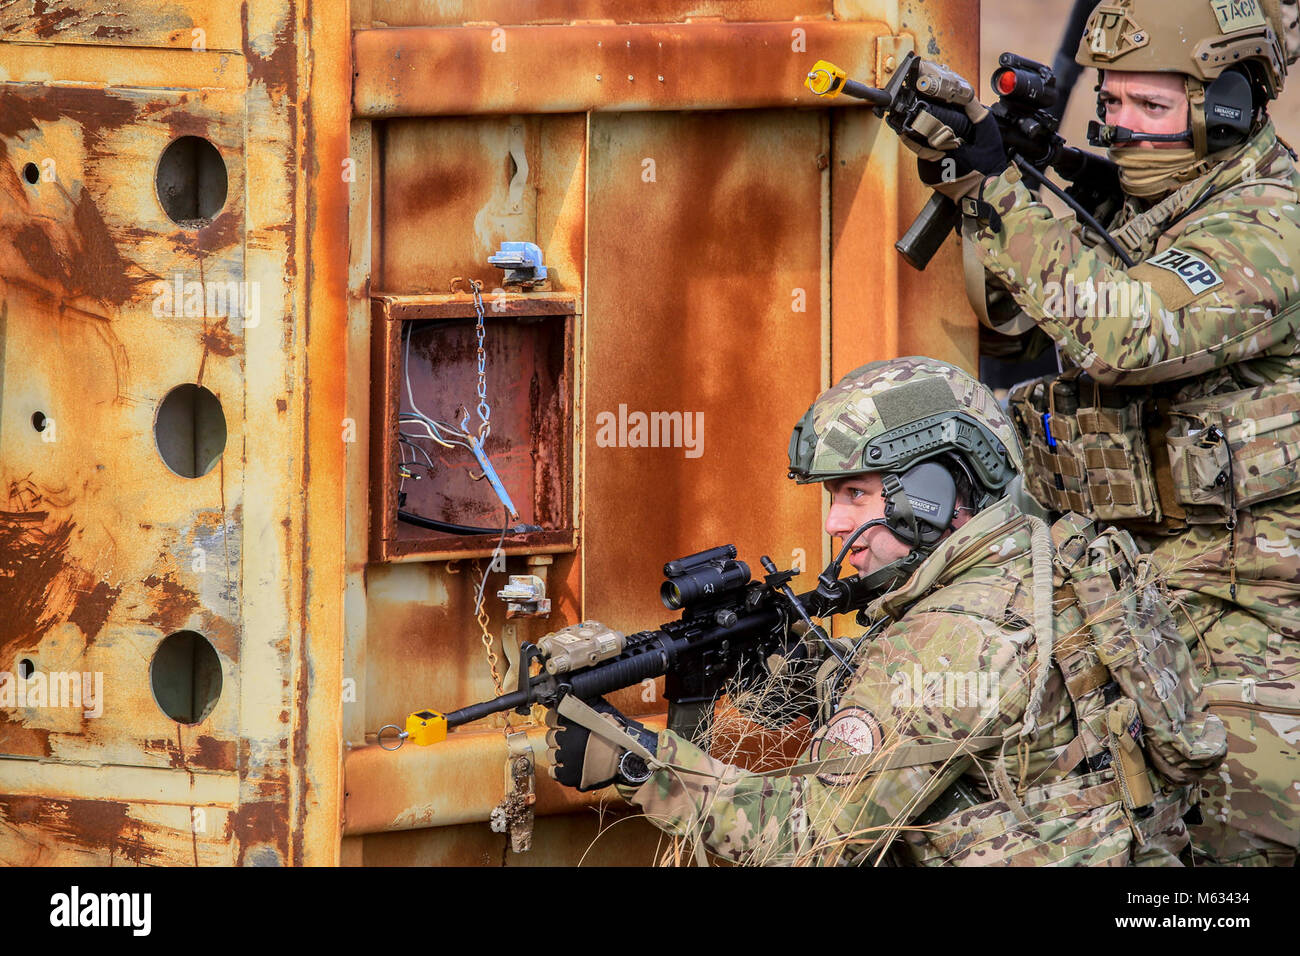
x: 281, y: 405
x: 93, y: 607
x: 105, y: 32
x: 223, y: 231
x: 81, y: 257
x: 219, y: 340
x: 94, y: 110
x: 92, y: 266
x: 215, y: 754
x: 31, y: 557
x: 260, y: 823
x: 207, y: 753
x: 92, y: 824
x: 172, y: 603
x: 174, y: 755
x: 279, y: 68
x: 48, y: 21
x: 212, y: 520
x: 23, y: 741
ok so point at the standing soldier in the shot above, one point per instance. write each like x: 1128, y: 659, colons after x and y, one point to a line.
x: 1180, y: 419
x: 992, y: 710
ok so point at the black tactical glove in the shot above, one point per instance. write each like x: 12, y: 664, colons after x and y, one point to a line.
x: 578, y: 758
x: 962, y: 169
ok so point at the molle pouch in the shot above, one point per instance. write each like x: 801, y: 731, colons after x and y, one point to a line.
x: 1086, y: 448
x: 1121, y: 481
x: 1233, y: 450
x: 1198, y: 462
x: 1135, y: 637
x: 1042, y: 411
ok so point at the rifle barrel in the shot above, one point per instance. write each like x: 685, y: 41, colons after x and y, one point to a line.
x: 475, y: 711
x: 869, y: 93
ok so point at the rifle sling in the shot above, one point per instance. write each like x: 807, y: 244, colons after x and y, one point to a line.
x: 583, y: 715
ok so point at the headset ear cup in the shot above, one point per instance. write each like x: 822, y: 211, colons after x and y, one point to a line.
x: 1229, y: 111
x: 929, y: 494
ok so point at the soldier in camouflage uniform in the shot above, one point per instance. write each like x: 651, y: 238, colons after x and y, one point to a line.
x: 978, y: 725
x: 1181, y: 418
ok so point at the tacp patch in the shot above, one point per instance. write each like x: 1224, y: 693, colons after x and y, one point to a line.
x: 1236, y: 15
x: 852, y: 732
x: 1194, y: 271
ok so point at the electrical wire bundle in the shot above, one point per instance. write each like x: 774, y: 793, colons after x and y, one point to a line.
x: 448, y: 436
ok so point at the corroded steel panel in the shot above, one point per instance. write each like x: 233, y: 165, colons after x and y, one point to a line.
x: 456, y: 782
x: 318, y: 628
x: 475, y: 183
x: 597, y: 836
x: 73, y: 832
x: 559, y: 69
x: 186, y: 24
x: 413, y: 13
x: 108, y: 304
x: 109, y: 549
x: 703, y: 278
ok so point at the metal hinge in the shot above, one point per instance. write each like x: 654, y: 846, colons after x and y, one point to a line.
x: 890, y: 51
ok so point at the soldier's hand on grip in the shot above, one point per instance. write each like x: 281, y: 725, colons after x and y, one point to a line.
x: 934, y: 131
x: 583, y: 760
x: 959, y: 172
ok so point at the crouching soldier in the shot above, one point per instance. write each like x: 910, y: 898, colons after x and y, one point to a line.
x: 1085, y: 752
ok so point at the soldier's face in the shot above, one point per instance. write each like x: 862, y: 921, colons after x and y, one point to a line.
x: 1146, y: 103
x: 855, y: 501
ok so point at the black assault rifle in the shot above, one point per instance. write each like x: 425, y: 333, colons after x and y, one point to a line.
x: 1027, y: 95
x: 729, y: 626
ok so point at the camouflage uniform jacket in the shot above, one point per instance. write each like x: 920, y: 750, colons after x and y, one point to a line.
x: 1233, y: 326
x: 956, y: 657
x: 1241, y: 220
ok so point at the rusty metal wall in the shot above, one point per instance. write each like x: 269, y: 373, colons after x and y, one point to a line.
x: 106, y: 550
x: 731, y: 244
x: 726, y: 240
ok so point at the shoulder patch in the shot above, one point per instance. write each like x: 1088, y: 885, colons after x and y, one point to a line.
x: 1195, y: 272
x: 853, y: 731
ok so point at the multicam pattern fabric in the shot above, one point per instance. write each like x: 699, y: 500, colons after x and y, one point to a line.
x: 925, y: 680
x: 1248, y: 649
x: 1229, y: 321
x: 1237, y: 219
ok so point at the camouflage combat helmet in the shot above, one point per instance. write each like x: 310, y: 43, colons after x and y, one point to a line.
x: 1200, y: 38
x: 889, y: 416
x: 920, y: 424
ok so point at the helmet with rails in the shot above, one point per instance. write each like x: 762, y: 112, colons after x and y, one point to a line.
x: 1234, y: 54
x: 932, y: 432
